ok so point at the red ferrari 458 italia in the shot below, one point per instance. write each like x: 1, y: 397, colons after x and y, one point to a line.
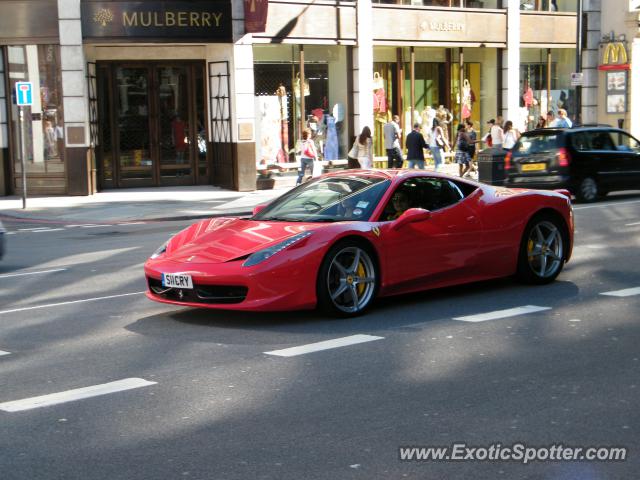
x: 343, y: 239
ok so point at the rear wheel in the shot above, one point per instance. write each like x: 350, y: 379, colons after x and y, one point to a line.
x: 588, y: 190
x: 348, y: 280
x: 542, y: 250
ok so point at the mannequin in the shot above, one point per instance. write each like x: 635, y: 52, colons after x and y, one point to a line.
x: 428, y: 115
x: 445, y: 117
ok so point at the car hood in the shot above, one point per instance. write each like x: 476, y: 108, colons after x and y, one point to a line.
x: 222, y: 239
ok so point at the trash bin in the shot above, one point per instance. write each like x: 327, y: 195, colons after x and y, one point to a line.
x: 491, y: 166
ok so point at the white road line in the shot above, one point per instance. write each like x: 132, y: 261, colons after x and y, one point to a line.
x: 631, y: 224
x: 7, y: 275
x: 627, y: 292
x: 133, y: 223
x: 2, y: 352
x: 48, y: 230
x: 95, y: 226
x: 326, y: 345
x: 605, y: 205
x: 510, y: 312
x: 35, y: 229
x: 2, y: 312
x: 73, y: 395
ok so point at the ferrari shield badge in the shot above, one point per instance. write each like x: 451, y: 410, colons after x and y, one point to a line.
x: 376, y: 231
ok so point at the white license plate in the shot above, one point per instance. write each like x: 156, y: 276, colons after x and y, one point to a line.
x: 177, y: 280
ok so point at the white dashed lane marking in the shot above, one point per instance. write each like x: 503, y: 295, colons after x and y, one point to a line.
x: 85, y: 225
x: 49, y: 305
x: 627, y: 292
x: 73, y: 395
x: 510, y: 312
x: 7, y: 275
x: 2, y: 352
x: 326, y: 345
x: 632, y: 224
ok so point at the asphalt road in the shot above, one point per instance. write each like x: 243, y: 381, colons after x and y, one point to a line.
x: 209, y: 403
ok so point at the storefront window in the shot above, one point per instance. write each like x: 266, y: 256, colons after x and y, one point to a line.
x: 545, y: 84
x: 278, y: 91
x: 444, y: 3
x: 42, y: 129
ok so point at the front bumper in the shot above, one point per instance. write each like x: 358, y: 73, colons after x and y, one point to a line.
x: 276, y: 285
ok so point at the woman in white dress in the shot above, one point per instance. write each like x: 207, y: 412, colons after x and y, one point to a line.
x: 511, y: 135
x: 364, y: 143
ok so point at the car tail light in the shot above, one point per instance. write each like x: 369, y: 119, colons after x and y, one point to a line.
x: 507, y: 161
x: 563, y: 157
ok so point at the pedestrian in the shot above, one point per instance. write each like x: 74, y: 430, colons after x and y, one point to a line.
x: 496, y: 133
x: 437, y: 142
x: 511, y: 135
x: 551, y: 118
x: 462, y: 150
x: 542, y: 122
x: 563, y: 120
x: 392, y: 132
x: 473, y: 139
x: 308, y: 155
x: 365, y: 148
x: 415, y: 147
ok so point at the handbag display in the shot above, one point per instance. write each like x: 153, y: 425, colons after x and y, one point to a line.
x: 378, y: 81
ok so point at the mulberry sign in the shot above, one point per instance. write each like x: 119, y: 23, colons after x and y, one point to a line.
x: 161, y: 21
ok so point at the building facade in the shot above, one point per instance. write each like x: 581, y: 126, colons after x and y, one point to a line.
x: 178, y: 93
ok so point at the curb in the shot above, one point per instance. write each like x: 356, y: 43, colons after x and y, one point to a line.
x: 14, y: 217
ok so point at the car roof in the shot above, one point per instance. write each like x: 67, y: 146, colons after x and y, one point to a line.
x: 599, y: 128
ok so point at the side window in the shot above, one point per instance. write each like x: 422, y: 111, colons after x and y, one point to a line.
x: 602, y: 141
x: 625, y: 142
x: 437, y: 193
x: 427, y: 193
x: 580, y: 141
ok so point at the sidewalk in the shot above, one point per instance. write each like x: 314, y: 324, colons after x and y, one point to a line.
x: 146, y: 204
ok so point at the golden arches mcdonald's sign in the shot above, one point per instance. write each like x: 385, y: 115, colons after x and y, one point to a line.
x: 614, y: 57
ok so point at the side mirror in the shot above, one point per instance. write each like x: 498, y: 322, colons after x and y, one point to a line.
x: 258, y: 208
x: 412, y: 215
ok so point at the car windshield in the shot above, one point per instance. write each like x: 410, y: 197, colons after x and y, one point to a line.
x: 331, y: 199
x: 538, y: 143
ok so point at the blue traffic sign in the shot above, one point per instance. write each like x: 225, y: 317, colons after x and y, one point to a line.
x: 24, y: 94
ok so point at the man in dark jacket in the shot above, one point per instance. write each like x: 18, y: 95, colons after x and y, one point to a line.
x: 415, y: 147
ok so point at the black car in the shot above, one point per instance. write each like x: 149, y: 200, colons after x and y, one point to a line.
x: 587, y: 161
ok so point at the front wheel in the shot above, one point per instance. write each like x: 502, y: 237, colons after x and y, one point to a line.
x: 542, y: 250
x: 348, y: 280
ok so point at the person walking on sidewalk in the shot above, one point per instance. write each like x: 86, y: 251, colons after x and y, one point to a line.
x: 308, y: 156
x: 511, y: 135
x: 392, y: 142
x: 437, y: 143
x: 415, y: 147
x: 365, y: 148
x: 497, y: 134
x: 473, y: 139
x: 462, y: 150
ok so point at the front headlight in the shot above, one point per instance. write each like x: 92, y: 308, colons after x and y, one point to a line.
x: 262, y: 255
x: 160, y: 250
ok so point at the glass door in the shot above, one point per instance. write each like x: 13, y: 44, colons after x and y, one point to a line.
x: 133, y: 132
x: 176, y: 133
x: 152, y: 124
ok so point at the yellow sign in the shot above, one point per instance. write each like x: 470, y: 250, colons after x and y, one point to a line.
x: 614, y: 53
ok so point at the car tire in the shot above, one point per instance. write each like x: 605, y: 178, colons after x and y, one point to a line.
x: 588, y: 190
x: 347, y: 280
x: 543, y: 250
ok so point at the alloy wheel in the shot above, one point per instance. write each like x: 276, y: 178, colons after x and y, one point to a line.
x: 545, y: 249
x: 351, y: 279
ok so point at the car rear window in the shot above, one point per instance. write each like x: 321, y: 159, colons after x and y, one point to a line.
x: 538, y: 143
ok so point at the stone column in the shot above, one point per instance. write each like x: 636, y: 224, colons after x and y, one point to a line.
x: 512, y: 61
x: 75, y: 101
x: 363, y: 68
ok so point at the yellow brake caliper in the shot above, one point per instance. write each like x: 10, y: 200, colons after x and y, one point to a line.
x: 530, y: 248
x: 360, y: 272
